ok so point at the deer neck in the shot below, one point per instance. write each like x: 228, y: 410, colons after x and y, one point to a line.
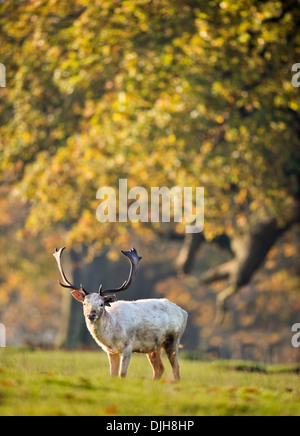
x: 102, y: 329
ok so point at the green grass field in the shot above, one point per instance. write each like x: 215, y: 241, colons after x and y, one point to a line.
x: 78, y: 383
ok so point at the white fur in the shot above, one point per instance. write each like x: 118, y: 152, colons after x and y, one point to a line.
x: 143, y: 326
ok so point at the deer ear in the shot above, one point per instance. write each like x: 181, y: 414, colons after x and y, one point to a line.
x: 78, y: 295
x: 109, y: 299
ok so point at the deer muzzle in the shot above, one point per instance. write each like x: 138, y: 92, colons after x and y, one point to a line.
x: 92, y: 316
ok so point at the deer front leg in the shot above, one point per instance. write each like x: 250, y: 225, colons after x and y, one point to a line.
x: 114, y: 361
x: 125, y: 359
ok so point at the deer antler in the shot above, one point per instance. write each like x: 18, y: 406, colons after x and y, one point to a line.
x: 131, y: 255
x: 66, y: 284
x: 134, y: 260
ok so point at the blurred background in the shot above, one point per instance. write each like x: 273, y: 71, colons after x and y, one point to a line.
x: 163, y: 93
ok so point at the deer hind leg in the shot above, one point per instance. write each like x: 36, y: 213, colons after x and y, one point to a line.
x: 156, y: 363
x: 171, y: 348
x: 114, y: 361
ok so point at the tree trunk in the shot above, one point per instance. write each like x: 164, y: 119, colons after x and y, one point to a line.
x: 250, y: 252
x: 187, y: 255
x: 192, y: 244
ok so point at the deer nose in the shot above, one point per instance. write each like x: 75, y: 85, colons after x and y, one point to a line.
x: 92, y: 316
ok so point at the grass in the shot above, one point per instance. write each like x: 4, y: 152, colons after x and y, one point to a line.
x: 78, y: 383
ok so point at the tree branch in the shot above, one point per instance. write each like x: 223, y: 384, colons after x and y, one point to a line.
x: 285, y: 9
x: 221, y: 272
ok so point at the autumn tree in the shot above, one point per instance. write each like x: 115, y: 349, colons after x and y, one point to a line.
x: 162, y: 93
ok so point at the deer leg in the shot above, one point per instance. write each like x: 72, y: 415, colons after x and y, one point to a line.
x: 156, y: 363
x: 125, y: 359
x: 171, y: 347
x: 114, y: 361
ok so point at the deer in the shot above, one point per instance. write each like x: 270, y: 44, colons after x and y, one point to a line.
x: 121, y: 328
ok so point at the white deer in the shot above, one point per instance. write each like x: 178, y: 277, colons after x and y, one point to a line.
x: 121, y: 328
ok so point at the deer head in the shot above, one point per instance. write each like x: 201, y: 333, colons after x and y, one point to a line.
x: 94, y: 302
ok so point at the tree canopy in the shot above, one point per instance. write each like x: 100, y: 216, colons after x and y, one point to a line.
x: 163, y: 93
